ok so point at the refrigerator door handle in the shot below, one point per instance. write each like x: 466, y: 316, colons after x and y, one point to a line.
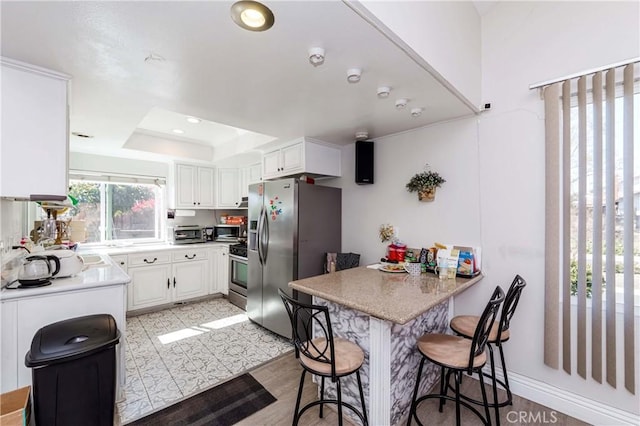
x: 259, y: 236
x: 265, y: 237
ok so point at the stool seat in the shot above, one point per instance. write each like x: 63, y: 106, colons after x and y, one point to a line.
x: 449, y: 351
x: 349, y: 356
x: 465, y: 325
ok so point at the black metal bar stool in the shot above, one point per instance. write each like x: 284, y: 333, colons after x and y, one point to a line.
x: 323, y: 355
x: 455, y: 355
x: 464, y: 325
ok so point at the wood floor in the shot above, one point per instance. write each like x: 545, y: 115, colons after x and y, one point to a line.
x: 282, y: 375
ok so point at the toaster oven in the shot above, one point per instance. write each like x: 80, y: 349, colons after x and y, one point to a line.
x: 186, y: 234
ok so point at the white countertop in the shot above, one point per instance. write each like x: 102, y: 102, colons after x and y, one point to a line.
x: 101, y: 273
x: 144, y: 248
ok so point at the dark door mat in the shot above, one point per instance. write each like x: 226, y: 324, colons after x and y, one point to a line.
x: 223, y: 405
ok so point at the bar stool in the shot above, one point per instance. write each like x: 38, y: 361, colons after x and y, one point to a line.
x: 455, y: 355
x: 323, y: 355
x: 464, y: 325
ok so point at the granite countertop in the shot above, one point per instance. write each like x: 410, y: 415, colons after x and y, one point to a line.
x: 395, y: 297
x: 100, y: 271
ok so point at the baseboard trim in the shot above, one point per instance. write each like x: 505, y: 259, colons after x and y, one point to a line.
x: 585, y: 409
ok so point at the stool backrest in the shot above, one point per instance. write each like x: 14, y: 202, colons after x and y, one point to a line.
x: 483, y: 329
x: 511, y: 302
x: 306, y: 318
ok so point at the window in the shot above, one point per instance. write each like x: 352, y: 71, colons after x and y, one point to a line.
x: 119, y: 211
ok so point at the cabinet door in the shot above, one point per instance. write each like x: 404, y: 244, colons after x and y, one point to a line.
x: 220, y: 281
x: 228, y: 188
x: 255, y: 173
x: 271, y: 164
x: 206, y: 188
x: 34, y: 131
x: 190, y: 279
x: 292, y: 158
x: 186, y: 180
x: 150, y: 286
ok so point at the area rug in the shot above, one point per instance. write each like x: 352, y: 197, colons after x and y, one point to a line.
x: 223, y: 405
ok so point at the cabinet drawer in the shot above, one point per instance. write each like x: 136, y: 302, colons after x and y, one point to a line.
x: 192, y: 254
x: 149, y: 258
x: 120, y: 260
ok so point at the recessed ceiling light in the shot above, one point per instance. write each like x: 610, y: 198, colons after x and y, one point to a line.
x: 401, y: 103
x: 383, y: 91
x: 193, y: 120
x: 178, y: 131
x: 316, y: 56
x: 252, y: 16
x: 416, y: 112
x: 353, y: 75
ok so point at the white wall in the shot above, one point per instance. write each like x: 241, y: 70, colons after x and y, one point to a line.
x: 445, y: 33
x: 494, y: 166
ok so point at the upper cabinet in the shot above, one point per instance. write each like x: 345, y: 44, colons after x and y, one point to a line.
x: 35, y: 131
x: 249, y: 175
x: 304, y: 155
x: 228, y: 188
x: 194, y: 187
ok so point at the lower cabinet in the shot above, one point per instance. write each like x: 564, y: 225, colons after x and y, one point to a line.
x: 164, y: 277
x: 220, y: 261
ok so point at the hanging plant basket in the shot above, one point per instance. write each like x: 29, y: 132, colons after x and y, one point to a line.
x: 425, y: 184
x: 427, y: 194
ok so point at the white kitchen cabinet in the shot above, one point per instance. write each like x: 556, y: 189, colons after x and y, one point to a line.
x: 249, y: 175
x: 220, y: 281
x: 194, y: 187
x: 35, y: 131
x: 150, y: 286
x: 121, y: 261
x: 163, y: 277
x: 302, y: 156
x: 228, y: 188
x: 190, y: 273
x: 99, y: 290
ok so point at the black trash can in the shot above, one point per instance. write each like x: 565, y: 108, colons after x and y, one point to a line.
x: 74, y: 371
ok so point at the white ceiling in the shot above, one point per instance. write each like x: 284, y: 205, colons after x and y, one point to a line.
x: 260, y: 82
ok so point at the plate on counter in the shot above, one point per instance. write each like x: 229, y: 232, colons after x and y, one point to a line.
x: 394, y: 269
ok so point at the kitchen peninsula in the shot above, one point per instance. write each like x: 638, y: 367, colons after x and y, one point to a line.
x: 384, y: 314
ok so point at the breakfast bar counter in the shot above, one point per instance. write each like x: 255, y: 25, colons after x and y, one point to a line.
x: 385, y: 313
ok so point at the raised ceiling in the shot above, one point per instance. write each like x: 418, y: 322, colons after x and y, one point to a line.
x: 204, y: 65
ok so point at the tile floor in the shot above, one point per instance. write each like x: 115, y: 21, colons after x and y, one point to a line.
x: 183, y: 350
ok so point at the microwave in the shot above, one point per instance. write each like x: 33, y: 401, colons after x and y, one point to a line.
x: 186, y: 234
x: 222, y: 233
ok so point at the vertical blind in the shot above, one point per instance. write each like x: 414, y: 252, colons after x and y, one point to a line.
x: 590, y: 215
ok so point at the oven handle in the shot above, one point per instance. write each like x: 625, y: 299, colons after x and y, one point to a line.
x: 238, y: 258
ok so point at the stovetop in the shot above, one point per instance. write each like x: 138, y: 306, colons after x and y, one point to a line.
x: 239, y: 249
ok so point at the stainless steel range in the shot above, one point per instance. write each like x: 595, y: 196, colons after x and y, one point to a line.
x: 238, y: 275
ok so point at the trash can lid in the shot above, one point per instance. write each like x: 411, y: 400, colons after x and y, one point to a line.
x: 63, y: 340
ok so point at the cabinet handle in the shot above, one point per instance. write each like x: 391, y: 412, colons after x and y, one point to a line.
x: 174, y: 282
x: 122, y: 263
x: 168, y: 284
x: 194, y: 203
x: 192, y: 257
x: 198, y: 203
x: 153, y: 261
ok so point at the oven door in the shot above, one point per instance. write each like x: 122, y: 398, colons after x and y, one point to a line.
x: 238, y: 274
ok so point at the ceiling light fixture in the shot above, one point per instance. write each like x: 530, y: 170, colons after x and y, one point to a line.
x: 316, y: 56
x: 252, y: 16
x: 353, y: 75
x: 178, y: 131
x: 361, y: 136
x: 416, y: 112
x: 401, y: 103
x: 193, y: 120
x: 383, y: 92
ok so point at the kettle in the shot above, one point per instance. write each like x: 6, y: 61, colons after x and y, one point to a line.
x: 70, y: 263
x: 37, y: 270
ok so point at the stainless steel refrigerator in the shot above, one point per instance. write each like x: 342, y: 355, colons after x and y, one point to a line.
x: 292, y: 225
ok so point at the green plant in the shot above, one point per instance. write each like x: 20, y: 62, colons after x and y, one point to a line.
x: 424, y: 181
x: 573, y: 270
